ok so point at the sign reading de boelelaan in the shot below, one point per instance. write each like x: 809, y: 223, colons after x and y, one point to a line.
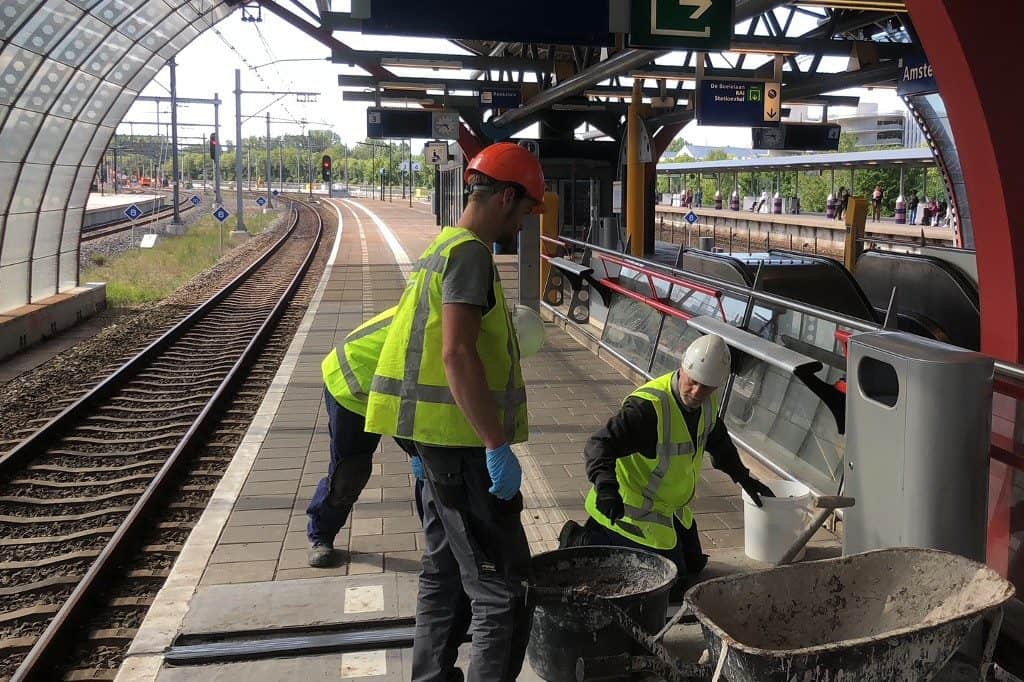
x: 698, y: 24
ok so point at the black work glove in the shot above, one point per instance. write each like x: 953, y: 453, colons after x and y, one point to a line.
x: 755, y: 489
x: 609, y: 502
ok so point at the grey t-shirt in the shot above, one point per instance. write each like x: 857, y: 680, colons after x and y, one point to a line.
x: 469, y: 277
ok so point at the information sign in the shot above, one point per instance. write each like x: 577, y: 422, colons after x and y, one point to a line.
x: 738, y: 103
x: 698, y: 24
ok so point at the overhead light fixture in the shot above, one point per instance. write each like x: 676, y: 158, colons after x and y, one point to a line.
x: 866, y: 5
x: 661, y: 76
x: 410, y: 85
x: 741, y: 47
x: 412, y: 63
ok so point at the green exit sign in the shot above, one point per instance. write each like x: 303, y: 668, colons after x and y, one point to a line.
x: 697, y: 24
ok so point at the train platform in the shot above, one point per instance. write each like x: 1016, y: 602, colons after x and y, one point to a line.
x: 243, y: 570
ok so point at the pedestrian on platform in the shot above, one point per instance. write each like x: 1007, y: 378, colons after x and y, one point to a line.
x: 912, y: 203
x: 876, y: 203
x: 842, y: 198
x: 347, y: 372
x: 449, y: 379
x: 942, y: 217
x: 698, y: 196
x: 933, y: 210
x: 645, y: 463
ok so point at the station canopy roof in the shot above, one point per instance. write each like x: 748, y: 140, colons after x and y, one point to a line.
x: 70, y: 70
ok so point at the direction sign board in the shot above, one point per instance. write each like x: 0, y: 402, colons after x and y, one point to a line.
x: 196, y: 200
x: 133, y: 212
x: 699, y: 24
x: 739, y: 103
x: 261, y: 202
x: 435, y: 152
x: 221, y: 214
x: 691, y: 217
x: 504, y: 98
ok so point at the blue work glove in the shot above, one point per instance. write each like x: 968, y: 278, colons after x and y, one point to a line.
x: 417, y: 468
x: 506, y: 474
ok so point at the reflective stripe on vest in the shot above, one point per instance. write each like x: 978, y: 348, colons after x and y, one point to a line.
x: 402, y: 403
x: 650, y: 495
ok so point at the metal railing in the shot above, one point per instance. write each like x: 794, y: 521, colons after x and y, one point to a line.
x: 1009, y: 378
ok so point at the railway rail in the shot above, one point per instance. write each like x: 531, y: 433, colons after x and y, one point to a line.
x: 108, y: 489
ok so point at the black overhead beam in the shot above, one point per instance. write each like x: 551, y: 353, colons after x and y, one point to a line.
x: 465, y: 61
x: 324, y: 36
x: 418, y: 85
x: 810, y: 85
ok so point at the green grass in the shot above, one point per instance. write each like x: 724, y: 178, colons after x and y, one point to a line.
x: 148, y: 275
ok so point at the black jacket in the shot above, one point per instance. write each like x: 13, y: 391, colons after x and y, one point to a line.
x: 634, y: 429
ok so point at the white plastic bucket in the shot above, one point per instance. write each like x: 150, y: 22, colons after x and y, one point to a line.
x: 770, y: 530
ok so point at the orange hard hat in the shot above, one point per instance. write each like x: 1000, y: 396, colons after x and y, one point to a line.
x: 508, y: 162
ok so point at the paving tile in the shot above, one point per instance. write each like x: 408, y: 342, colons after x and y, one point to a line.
x: 274, y: 475
x: 382, y: 509
x: 390, y: 481
x: 269, y: 488
x: 709, y: 522
x: 236, y: 534
x: 404, y: 562
x: 731, y: 519
x: 383, y: 543
x: 245, y: 551
x: 246, y: 572
x: 258, y: 517
x: 253, y: 502
x: 398, y: 494
x: 371, y: 526
x: 725, y: 538
x: 359, y: 564
x: 711, y: 504
x: 402, y: 524
x: 310, y: 572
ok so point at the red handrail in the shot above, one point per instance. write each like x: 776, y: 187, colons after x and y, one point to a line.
x: 656, y: 303
x: 659, y: 275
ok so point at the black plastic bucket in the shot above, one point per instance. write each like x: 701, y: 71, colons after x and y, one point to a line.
x: 636, y: 581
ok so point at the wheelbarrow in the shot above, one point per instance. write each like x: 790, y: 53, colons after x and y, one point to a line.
x: 886, y: 615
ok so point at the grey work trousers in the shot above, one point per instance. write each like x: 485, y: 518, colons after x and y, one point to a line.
x: 475, y: 543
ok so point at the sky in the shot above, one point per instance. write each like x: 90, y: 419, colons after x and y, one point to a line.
x: 207, y: 67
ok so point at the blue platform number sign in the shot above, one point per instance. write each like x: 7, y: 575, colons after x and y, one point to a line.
x: 261, y: 202
x: 133, y: 212
x: 196, y: 200
x: 221, y: 214
x: 691, y: 217
x: 275, y: 192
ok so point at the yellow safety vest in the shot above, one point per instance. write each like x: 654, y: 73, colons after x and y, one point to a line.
x: 655, y: 490
x: 348, y: 370
x: 410, y: 397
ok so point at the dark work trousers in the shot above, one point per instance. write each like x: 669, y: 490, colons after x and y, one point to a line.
x: 687, y: 555
x: 475, y: 543
x: 352, y: 451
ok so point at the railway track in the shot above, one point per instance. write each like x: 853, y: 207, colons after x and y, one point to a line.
x: 96, y: 504
x: 108, y: 229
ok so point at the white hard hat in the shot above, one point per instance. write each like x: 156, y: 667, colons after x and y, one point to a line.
x: 529, y: 330
x: 706, y: 361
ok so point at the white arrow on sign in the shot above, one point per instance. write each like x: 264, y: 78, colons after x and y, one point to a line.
x: 701, y: 5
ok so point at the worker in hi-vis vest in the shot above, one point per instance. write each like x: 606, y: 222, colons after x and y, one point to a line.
x: 449, y: 379
x: 645, y: 463
x: 347, y: 372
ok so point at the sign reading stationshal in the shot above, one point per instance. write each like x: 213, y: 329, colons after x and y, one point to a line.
x: 739, y: 103
x: 697, y: 24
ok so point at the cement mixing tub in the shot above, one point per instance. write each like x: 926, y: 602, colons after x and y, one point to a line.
x: 892, y: 614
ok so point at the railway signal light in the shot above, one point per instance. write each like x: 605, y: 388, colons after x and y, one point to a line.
x: 325, y: 168
x: 214, y: 146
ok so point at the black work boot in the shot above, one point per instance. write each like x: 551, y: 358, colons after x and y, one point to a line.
x: 572, y: 535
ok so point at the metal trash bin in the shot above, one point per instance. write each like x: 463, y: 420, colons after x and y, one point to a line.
x: 918, y: 418
x: 610, y: 233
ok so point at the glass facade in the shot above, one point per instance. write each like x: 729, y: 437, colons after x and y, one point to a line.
x: 69, y: 71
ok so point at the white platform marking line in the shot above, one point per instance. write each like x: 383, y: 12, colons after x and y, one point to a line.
x: 401, y: 257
